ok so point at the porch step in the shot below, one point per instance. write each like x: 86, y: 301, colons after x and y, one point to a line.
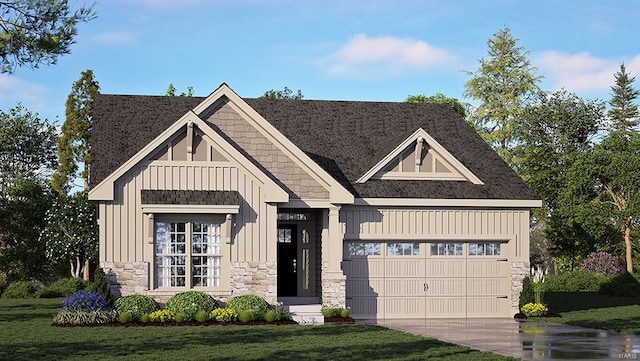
x: 306, y: 314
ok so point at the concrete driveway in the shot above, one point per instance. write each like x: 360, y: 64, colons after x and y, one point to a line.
x: 528, y: 340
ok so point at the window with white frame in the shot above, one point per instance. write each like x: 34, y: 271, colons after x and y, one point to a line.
x: 187, y: 253
x: 446, y: 249
x: 484, y: 249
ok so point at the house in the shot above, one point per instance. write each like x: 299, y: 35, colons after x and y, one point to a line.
x: 395, y: 210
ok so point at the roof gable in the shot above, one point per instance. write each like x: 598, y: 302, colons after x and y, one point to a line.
x: 419, y: 157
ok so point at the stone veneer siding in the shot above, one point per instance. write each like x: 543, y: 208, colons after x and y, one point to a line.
x: 126, y: 278
x: 519, y: 270
x: 258, y: 278
x: 334, y: 289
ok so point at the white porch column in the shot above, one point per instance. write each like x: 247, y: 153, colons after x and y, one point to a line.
x: 333, y: 279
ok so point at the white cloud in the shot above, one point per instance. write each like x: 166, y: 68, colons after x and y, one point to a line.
x: 114, y: 37
x: 385, y: 54
x: 582, y: 71
x: 171, y: 3
x: 14, y: 90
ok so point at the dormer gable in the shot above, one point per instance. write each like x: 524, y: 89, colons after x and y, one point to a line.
x: 419, y: 157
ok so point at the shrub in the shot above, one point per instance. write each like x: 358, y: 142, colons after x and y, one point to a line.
x: 246, y: 316
x: 329, y: 312
x: 190, y: 302
x: 344, y: 312
x: 534, y: 309
x: 3, y: 285
x: 180, y: 317
x: 162, y: 316
x: 602, y: 263
x: 145, y: 318
x: 136, y: 305
x: 576, y: 281
x: 21, y: 289
x: 621, y: 285
x: 256, y: 304
x: 202, y: 316
x: 63, y: 287
x: 85, y: 301
x: 100, y: 284
x: 271, y: 316
x: 527, y: 295
x: 223, y: 315
x: 85, y: 318
x: 125, y: 317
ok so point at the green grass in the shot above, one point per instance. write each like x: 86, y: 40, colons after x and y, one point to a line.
x: 26, y: 334
x: 619, y: 314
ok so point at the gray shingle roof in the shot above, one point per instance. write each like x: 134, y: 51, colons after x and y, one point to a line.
x: 346, y: 138
x: 222, y: 198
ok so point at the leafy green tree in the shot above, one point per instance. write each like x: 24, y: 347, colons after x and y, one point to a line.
x: 553, y: 131
x: 27, y: 147
x: 504, y: 83
x: 34, y: 32
x: 285, y: 94
x: 71, y: 231
x: 22, y: 210
x: 624, y: 112
x: 603, y: 191
x: 438, y: 98
x: 171, y: 91
x: 75, y: 142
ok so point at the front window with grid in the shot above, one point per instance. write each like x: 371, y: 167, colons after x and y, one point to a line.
x: 187, y: 254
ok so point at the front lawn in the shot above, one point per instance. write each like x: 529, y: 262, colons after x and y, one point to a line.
x: 623, y: 319
x: 26, y: 334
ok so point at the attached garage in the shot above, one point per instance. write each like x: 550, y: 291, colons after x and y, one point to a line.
x: 436, y: 279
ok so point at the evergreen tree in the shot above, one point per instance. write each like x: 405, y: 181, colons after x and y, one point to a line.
x: 504, y: 84
x: 75, y: 142
x: 438, y: 98
x: 624, y: 112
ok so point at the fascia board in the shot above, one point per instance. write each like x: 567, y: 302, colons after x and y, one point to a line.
x: 427, y: 202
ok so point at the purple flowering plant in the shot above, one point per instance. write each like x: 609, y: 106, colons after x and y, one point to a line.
x: 85, y: 301
x: 601, y: 262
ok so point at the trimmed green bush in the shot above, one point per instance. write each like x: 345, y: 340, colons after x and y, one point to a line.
x: 527, y: 294
x: 190, y: 302
x: 256, y: 304
x: 271, y: 316
x: 62, y: 288
x: 125, y: 317
x: 576, y: 281
x: 246, y: 316
x: 202, y: 316
x: 100, y: 284
x: 180, y: 317
x: 145, y: 318
x: 136, y: 305
x: 623, y: 284
x: 329, y: 312
x: 344, y: 312
x: 21, y: 289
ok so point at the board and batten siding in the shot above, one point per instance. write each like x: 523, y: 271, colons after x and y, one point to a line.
x: 406, y: 223
x: 124, y: 229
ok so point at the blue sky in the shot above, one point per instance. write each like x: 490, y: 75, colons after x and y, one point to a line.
x: 346, y: 50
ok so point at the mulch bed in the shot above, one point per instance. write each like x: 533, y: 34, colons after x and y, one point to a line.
x: 522, y: 316
x: 339, y: 320
x: 190, y: 323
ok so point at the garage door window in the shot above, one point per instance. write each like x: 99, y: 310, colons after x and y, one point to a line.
x: 363, y: 249
x: 484, y: 249
x: 403, y: 249
x: 446, y: 249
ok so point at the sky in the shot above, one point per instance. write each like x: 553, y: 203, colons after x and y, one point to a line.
x: 334, y: 49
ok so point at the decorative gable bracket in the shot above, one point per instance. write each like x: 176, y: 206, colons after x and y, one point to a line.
x: 431, y: 161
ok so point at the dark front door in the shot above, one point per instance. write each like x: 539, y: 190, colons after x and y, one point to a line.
x: 287, y: 260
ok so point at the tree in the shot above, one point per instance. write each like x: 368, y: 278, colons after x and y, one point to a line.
x: 34, y: 32
x: 71, y: 231
x: 438, y: 98
x: 285, y: 94
x: 603, y: 190
x: 552, y: 132
x: 504, y: 84
x: 22, y: 210
x: 624, y: 112
x: 171, y: 91
x: 27, y: 147
x: 75, y: 142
